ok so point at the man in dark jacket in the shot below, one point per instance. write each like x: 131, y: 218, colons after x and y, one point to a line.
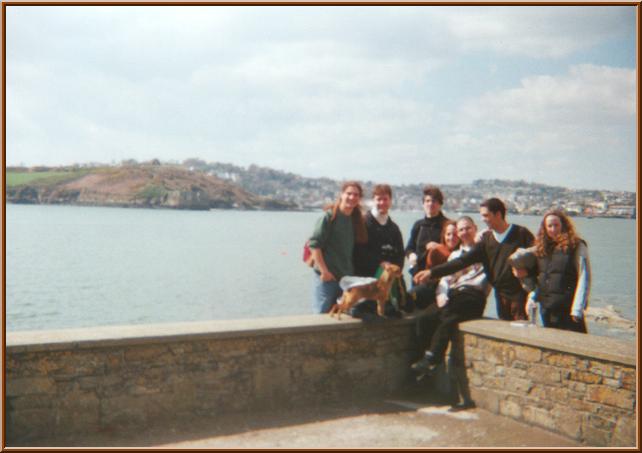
x: 385, y: 245
x: 426, y: 233
x: 493, y: 250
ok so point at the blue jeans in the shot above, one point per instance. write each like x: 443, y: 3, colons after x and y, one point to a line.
x: 325, y: 294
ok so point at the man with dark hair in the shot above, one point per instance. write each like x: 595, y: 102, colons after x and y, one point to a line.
x: 426, y: 233
x: 493, y: 250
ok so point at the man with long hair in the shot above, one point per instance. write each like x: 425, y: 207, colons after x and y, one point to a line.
x: 332, y: 245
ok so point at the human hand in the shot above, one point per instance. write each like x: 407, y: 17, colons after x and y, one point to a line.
x: 421, y: 276
x: 327, y: 276
x: 412, y: 259
x: 431, y: 245
x: 442, y: 300
x: 520, y: 273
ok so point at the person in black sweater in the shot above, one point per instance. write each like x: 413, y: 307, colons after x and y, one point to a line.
x: 426, y: 233
x: 425, y: 236
x: 385, y: 245
x: 493, y: 250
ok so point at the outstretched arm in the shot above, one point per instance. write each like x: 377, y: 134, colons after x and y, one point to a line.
x: 474, y: 255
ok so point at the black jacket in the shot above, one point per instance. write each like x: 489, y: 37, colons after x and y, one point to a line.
x: 384, y: 244
x: 424, y: 231
x: 557, y: 279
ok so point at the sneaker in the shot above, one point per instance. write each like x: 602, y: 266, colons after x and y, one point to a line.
x: 426, y: 364
x: 462, y: 406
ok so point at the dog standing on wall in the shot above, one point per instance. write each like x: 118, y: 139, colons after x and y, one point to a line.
x: 379, y: 290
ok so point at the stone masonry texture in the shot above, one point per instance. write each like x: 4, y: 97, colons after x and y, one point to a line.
x: 100, y: 380
x: 587, y: 399
x: 102, y: 388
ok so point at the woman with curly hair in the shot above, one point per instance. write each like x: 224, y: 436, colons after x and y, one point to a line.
x: 332, y: 245
x: 563, y: 273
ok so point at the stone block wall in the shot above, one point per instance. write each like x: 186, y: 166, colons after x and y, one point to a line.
x: 90, y: 380
x: 100, y: 379
x: 581, y: 386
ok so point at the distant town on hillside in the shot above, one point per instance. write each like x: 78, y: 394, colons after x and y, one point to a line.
x: 521, y: 197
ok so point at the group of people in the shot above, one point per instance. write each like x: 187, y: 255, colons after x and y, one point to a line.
x: 453, y: 266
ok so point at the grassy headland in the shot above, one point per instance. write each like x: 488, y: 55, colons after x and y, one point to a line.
x: 150, y: 185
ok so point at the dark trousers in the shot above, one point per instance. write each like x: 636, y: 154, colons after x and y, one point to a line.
x: 423, y: 294
x: 511, y: 308
x: 426, y: 324
x: 463, y: 305
x: 561, y: 319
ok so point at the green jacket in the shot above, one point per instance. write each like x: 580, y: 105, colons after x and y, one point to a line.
x: 336, y: 241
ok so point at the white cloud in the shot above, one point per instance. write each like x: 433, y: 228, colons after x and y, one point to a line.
x: 385, y: 93
x: 535, y: 31
x: 587, y: 96
x: 564, y: 130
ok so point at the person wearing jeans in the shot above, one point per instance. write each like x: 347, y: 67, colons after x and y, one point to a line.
x: 332, y: 245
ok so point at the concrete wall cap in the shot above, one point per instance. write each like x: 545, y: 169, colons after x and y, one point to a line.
x: 107, y: 336
x: 592, y: 346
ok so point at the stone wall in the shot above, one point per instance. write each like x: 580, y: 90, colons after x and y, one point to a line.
x: 100, y: 379
x: 581, y: 386
x: 89, y: 380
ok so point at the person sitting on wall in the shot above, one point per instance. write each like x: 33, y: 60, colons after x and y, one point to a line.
x: 423, y: 294
x: 460, y: 297
x: 493, y: 251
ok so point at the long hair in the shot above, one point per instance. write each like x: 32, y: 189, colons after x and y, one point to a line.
x: 444, y: 227
x: 568, y: 238
x: 358, y: 223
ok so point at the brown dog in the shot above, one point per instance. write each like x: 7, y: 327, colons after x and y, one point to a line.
x: 379, y: 291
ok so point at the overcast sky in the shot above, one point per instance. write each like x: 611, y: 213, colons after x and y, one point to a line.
x: 388, y: 94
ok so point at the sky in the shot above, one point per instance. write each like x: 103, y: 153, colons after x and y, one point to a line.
x: 396, y: 94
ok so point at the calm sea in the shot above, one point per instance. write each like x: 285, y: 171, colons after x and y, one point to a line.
x: 69, y: 266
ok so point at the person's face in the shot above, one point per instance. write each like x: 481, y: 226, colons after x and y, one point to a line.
x: 492, y: 219
x: 450, y: 237
x: 431, y: 206
x: 350, y: 198
x: 383, y: 203
x: 553, y: 226
x: 466, y: 232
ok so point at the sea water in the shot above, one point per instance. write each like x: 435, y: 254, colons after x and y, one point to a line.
x: 71, y: 266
